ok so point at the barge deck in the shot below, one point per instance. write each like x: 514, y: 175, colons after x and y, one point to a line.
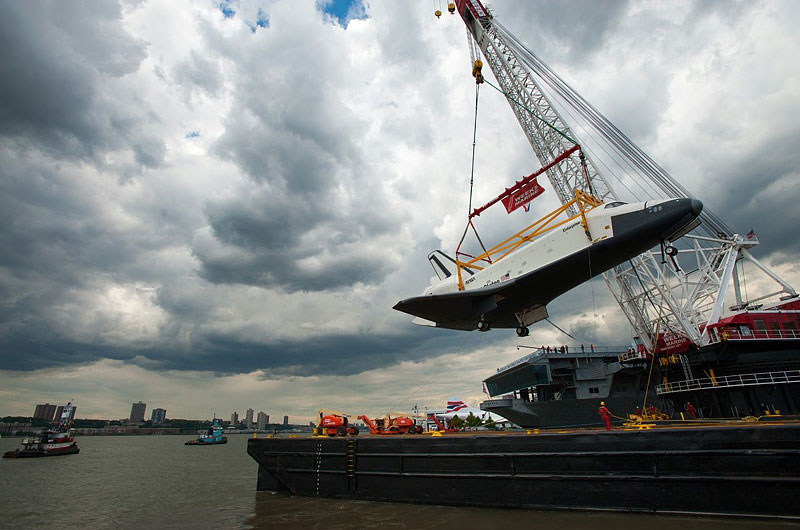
x: 737, y: 468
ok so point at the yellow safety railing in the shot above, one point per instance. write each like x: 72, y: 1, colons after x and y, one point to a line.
x: 585, y: 203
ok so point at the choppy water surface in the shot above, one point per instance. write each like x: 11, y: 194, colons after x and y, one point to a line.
x: 157, y: 482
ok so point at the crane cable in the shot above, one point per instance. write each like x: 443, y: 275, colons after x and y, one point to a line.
x: 472, y: 45
x: 529, y: 111
x: 474, y: 137
x: 560, y: 329
x: 652, y: 362
x: 472, y: 178
x: 618, y: 140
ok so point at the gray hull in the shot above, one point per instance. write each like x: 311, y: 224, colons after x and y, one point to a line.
x: 568, y: 412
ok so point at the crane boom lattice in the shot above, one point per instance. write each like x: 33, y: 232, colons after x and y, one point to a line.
x: 683, y: 292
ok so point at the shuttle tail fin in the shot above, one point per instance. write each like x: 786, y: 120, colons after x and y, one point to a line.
x: 444, y: 266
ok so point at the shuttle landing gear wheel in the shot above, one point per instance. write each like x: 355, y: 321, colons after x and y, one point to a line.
x: 483, y: 326
x: 522, y: 331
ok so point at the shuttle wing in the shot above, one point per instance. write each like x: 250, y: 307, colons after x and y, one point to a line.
x: 463, y: 309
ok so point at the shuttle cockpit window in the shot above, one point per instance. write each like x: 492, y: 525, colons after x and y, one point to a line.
x: 614, y: 204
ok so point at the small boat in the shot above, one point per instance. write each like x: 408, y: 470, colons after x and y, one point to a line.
x: 51, y: 442
x: 211, y: 437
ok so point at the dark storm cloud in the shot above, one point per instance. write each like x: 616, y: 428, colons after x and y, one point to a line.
x: 722, y: 8
x: 576, y: 28
x: 310, y: 213
x: 150, y: 152
x: 198, y: 75
x: 58, y: 248
x: 66, y: 247
x: 347, y: 354
x: 331, y: 355
x: 758, y: 189
x: 43, y: 225
x: 55, y: 225
x: 55, y: 56
x: 32, y: 335
x: 264, y: 242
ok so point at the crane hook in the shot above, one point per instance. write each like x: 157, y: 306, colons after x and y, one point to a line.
x: 476, y: 71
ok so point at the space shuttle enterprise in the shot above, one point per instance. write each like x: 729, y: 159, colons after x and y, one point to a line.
x: 514, y: 291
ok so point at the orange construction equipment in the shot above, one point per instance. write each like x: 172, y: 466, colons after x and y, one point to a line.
x: 439, y: 425
x: 392, y: 423
x: 333, y: 423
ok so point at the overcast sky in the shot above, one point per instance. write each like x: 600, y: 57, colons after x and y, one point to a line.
x: 213, y: 206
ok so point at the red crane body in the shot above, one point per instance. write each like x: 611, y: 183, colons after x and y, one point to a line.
x: 334, y: 424
x: 391, y: 425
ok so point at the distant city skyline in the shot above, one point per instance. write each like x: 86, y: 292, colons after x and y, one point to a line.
x: 137, y: 412
x: 158, y: 416
x: 52, y: 412
x: 45, y: 411
x: 254, y: 421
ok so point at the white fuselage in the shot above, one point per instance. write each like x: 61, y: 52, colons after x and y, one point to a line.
x: 548, y: 248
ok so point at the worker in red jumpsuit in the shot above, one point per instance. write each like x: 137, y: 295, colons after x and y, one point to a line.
x: 689, y: 408
x: 605, y: 414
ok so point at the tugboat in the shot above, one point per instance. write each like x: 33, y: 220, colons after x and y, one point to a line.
x: 212, y: 437
x: 51, y: 442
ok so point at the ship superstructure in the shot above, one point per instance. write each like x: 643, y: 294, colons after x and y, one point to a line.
x: 750, y: 367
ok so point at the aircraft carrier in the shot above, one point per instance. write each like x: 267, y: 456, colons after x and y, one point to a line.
x: 751, y: 367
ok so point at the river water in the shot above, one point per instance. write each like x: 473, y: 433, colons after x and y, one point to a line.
x: 157, y: 482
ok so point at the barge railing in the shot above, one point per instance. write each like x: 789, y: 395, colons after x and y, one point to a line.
x: 570, y: 352
x: 763, y: 334
x: 728, y: 381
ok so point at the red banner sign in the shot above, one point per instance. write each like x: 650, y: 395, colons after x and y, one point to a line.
x: 522, y: 196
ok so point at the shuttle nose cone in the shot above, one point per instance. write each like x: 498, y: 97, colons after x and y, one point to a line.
x: 697, y: 206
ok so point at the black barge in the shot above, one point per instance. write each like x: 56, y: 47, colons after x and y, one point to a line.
x: 741, y: 469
